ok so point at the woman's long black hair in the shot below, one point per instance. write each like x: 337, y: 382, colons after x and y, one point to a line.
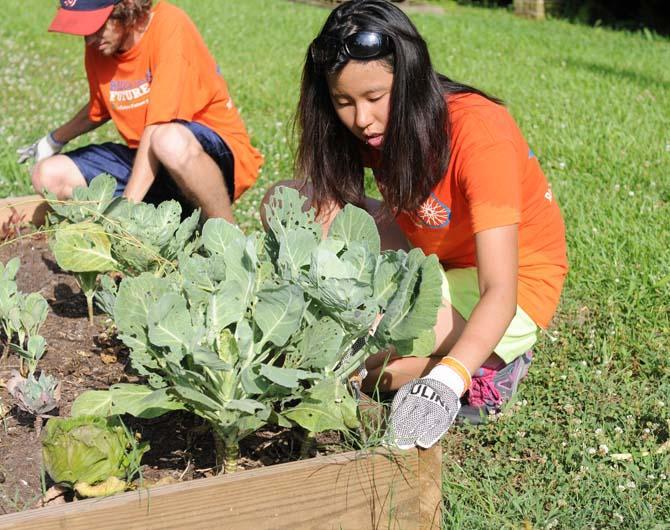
x: 415, y: 152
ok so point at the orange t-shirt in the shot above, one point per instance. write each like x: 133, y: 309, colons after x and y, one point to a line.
x: 493, y: 180
x: 168, y: 75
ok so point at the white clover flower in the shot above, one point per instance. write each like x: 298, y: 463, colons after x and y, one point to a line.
x: 631, y: 193
x: 598, y: 431
x: 618, y: 517
x: 591, y: 451
x: 618, y: 430
x: 617, y: 187
x: 630, y: 485
x: 603, y: 450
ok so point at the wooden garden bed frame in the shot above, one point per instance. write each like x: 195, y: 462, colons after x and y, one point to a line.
x: 378, y: 489
x: 30, y: 209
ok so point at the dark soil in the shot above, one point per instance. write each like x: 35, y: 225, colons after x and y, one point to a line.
x: 88, y: 357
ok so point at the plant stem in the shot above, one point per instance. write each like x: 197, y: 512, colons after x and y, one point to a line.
x: 308, y: 444
x: 89, y: 306
x: 227, y: 453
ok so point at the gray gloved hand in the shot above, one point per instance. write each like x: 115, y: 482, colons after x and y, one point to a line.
x: 42, y: 148
x: 422, y: 411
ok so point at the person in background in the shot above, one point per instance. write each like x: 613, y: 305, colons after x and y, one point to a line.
x: 457, y: 180
x: 150, y: 72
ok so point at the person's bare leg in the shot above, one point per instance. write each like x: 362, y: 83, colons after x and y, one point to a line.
x: 199, y: 178
x: 57, y: 174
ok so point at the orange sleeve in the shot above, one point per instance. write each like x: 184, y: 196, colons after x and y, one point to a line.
x: 97, y: 110
x: 171, y: 74
x: 491, y: 182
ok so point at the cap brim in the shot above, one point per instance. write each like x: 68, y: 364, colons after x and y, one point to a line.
x: 80, y: 22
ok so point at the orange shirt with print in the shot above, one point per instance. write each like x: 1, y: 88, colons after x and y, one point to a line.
x: 168, y: 75
x: 494, y: 180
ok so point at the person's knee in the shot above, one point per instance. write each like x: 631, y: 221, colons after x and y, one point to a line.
x: 48, y: 176
x: 175, y: 146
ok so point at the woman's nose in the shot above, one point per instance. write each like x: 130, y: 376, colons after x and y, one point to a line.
x: 363, y: 116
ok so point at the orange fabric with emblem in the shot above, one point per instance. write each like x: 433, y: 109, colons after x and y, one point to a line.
x: 169, y: 74
x: 493, y: 180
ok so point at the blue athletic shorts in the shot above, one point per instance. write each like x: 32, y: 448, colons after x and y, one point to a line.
x: 117, y: 160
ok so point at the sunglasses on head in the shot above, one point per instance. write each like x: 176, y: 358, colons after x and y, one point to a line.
x: 362, y: 45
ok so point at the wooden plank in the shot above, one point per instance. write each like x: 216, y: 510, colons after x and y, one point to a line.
x: 382, y: 489
x: 430, y: 486
x: 30, y: 209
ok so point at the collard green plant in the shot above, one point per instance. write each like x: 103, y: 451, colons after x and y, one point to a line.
x: 256, y: 329
x: 95, y: 232
x: 90, y: 450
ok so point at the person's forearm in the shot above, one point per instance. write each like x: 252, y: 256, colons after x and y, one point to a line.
x: 486, y: 326
x: 144, y: 170
x: 78, y: 125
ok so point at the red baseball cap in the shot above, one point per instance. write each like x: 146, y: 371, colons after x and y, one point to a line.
x: 82, y: 17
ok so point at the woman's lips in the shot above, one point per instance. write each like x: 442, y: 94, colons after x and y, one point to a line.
x: 375, y: 141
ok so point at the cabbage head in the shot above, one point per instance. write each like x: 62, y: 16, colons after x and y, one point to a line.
x: 89, y: 449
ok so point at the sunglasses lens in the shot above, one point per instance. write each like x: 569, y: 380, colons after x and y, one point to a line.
x: 365, y: 45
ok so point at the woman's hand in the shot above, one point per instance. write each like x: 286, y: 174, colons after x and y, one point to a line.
x: 422, y: 412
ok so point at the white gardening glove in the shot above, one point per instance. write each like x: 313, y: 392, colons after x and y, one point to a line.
x: 42, y: 148
x: 424, y: 409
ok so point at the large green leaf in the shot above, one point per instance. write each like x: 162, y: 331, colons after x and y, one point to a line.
x: 278, y: 312
x: 137, y: 400
x: 321, y: 344
x: 169, y: 322
x: 83, y: 247
x: 327, y: 406
x: 414, y: 306
x: 134, y: 300
x: 295, y: 250
x: 225, y: 307
x: 218, y: 234
x: 353, y: 224
x: 286, y: 377
x: 285, y: 211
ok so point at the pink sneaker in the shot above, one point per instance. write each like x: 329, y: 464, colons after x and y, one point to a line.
x: 491, y: 389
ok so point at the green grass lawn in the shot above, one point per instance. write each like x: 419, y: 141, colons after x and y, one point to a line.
x: 595, y: 107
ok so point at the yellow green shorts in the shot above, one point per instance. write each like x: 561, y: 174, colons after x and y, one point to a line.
x: 461, y: 289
